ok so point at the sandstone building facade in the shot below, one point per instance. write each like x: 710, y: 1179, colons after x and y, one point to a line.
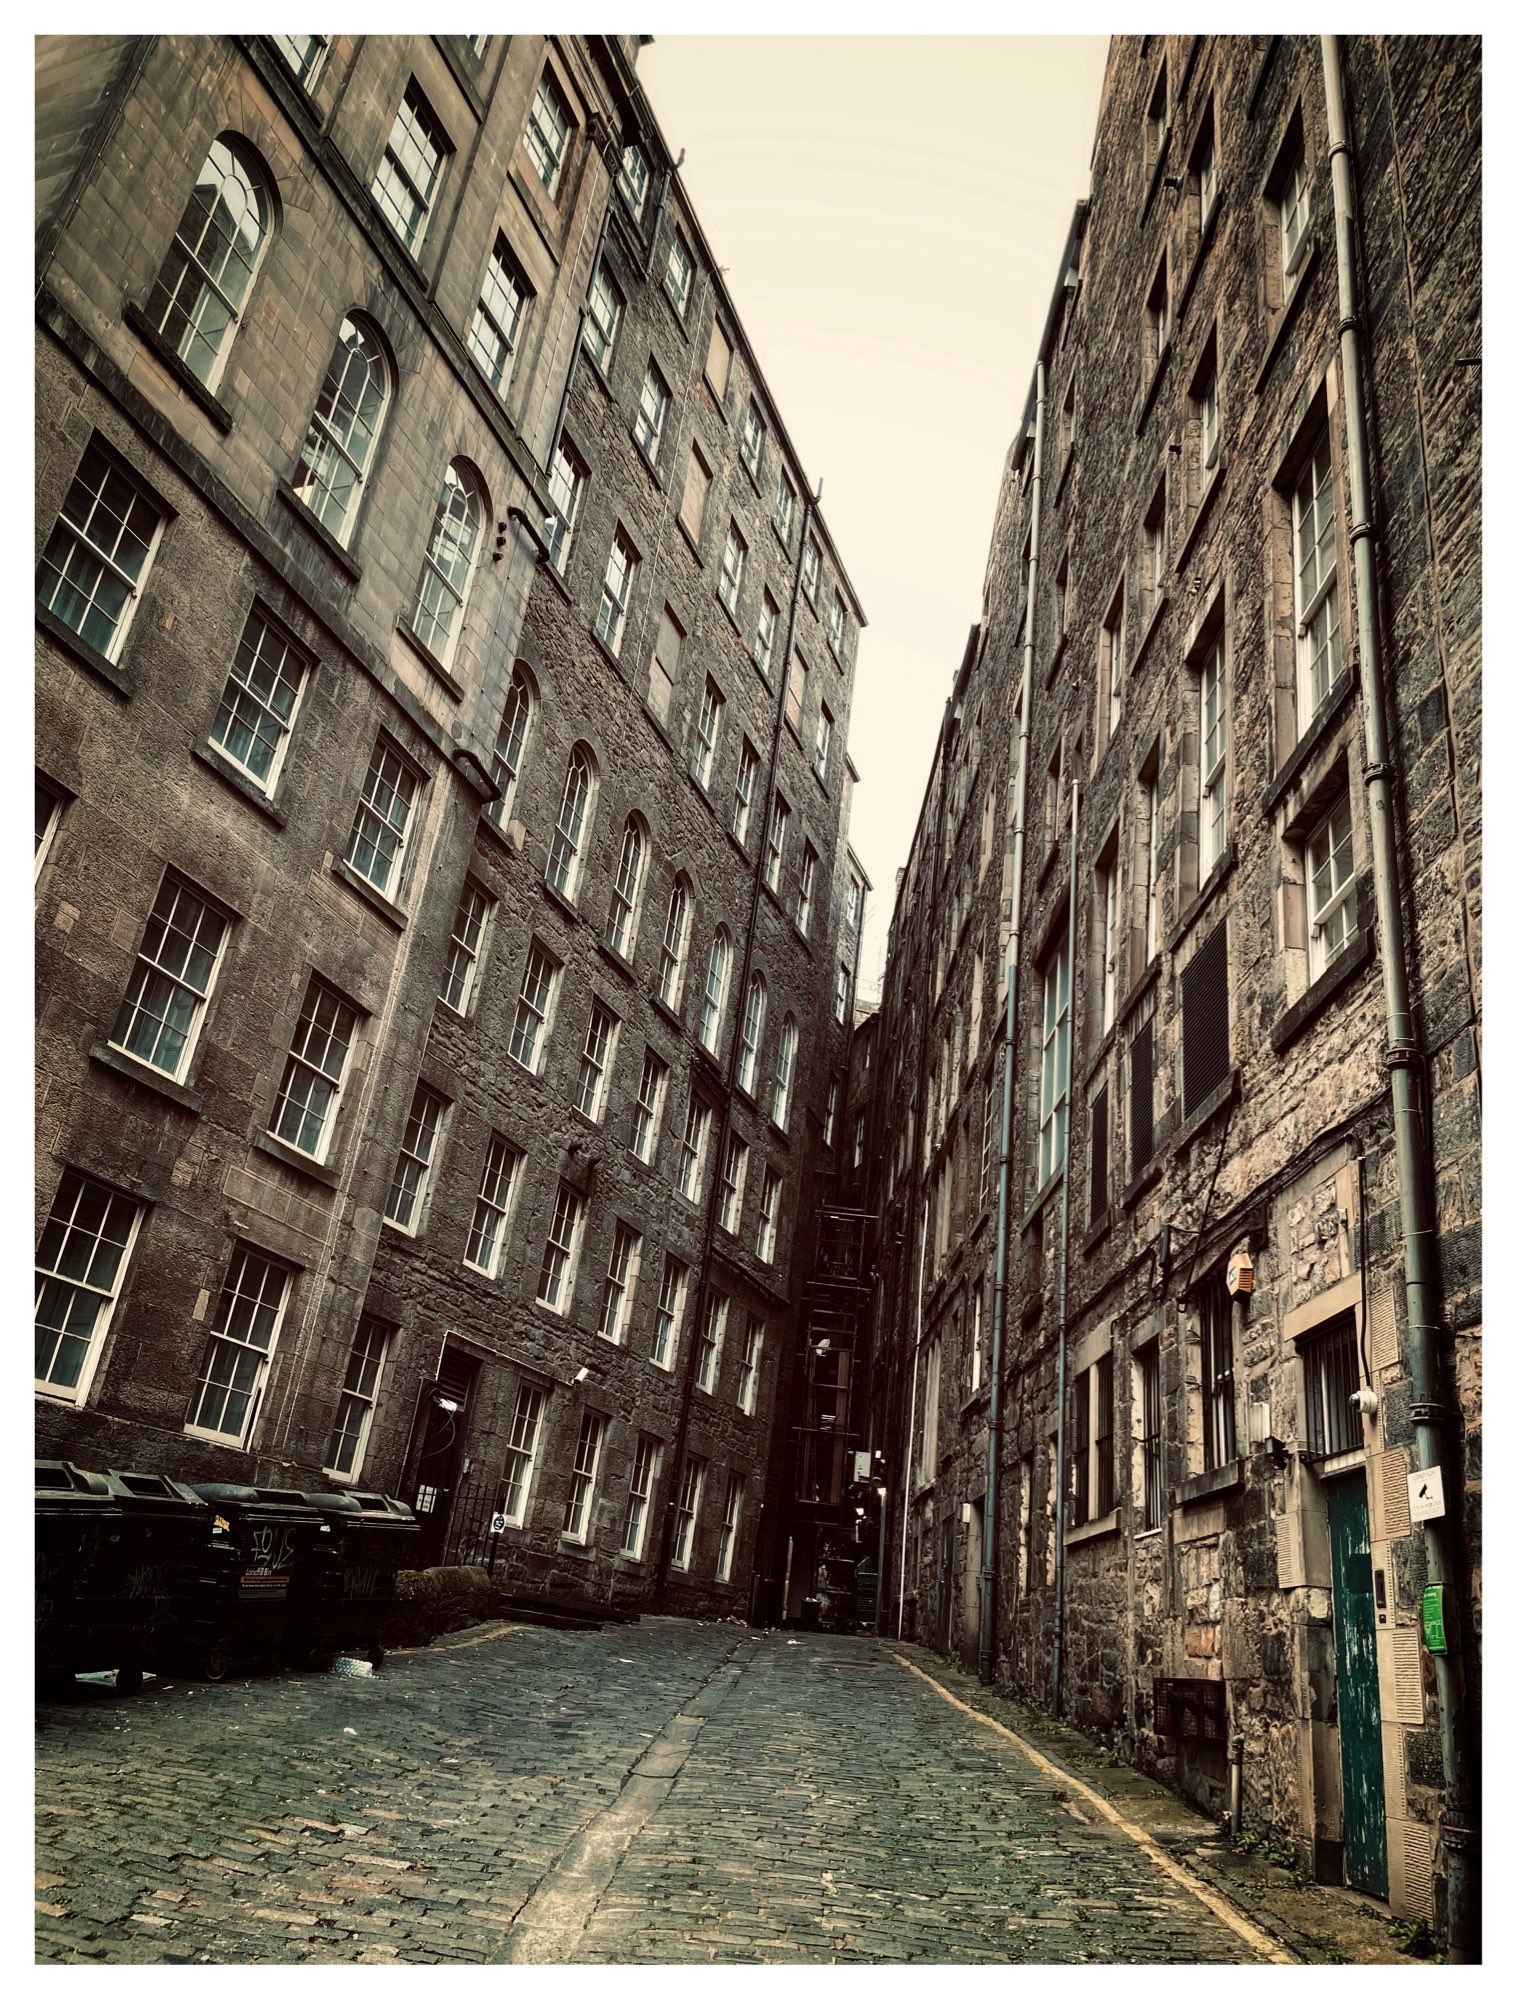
x: 1152, y: 1376
x: 446, y: 924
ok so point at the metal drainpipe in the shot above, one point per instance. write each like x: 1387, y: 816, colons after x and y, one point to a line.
x: 906, y: 1471
x: 574, y: 353
x: 688, y: 1383
x: 987, y: 1664
x: 1420, y: 1223
x: 1058, y: 1660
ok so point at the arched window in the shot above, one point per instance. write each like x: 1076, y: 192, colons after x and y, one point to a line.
x: 511, y: 744
x: 753, y: 1030
x: 208, y: 273
x: 714, y: 999
x: 344, y: 426
x: 785, y: 1072
x: 622, y: 927
x: 449, y: 562
x: 672, y: 949
x: 566, y: 851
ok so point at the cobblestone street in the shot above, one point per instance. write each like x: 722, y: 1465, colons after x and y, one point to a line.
x: 654, y: 1793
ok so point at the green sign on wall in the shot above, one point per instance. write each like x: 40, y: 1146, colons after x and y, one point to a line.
x: 1433, y: 1618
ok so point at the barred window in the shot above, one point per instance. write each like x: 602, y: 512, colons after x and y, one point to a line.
x: 1204, y: 1021
x: 344, y: 429
x: 410, y: 168
x: 1331, y: 1376
x: 97, y: 557
x: 487, y: 1228
x: 1141, y: 1097
x: 315, y: 1071
x: 377, y: 844
x: 81, y: 1262
x: 264, y: 683
x: 197, y: 299
x: 234, y: 1369
x: 466, y: 945
x: 355, y: 1405
x: 165, y: 1002
x: 1215, y: 1311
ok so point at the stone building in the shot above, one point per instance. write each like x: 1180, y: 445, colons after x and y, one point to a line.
x: 1156, y: 808
x: 445, y: 917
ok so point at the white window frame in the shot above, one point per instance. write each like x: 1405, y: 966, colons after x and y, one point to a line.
x: 495, y: 331
x: 764, y: 634
x: 785, y: 1074
x: 547, y: 135
x: 784, y: 515
x: 688, y: 1512
x: 822, y: 744
x: 1212, y: 753
x: 734, y: 561
x: 522, y: 1453
x: 769, y: 1216
x: 357, y: 1399
x: 734, y: 1178
x: 466, y: 949
x: 566, y: 488
x: 751, y: 444
x: 541, y: 976
x: 137, y: 527
x: 648, y: 1111
x: 511, y: 740
x: 694, y: 1141
x: 714, y: 996
x: 415, y: 129
x: 616, y: 592
x: 303, y: 55
x: 648, y: 1458
x: 170, y: 957
x: 382, y: 819
x: 620, y: 1284
x: 1296, y: 213
x: 679, y: 274
x: 748, y: 1373
x: 670, y: 1317
x: 1331, y: 888
x: 565, y: 864
x: 407, y: 1199
x: 449, y: 565
x: 596, y: 1060
x: 743, y: 792
x: 732, y: 1514
x: 707, y: 734
x: 674, y: 945
x: 561, y: 1251
x: 235, y: 1333
x: 632, y: 180
x: 653, y: 409
x: 774, y: 850
x: 805, y: 886
x: 752, y: 1034
x: 1054, y: 1066
x: 100, y: 1284
x: 326, y: 1016
x: 260, y: 697
x: 627, y: 892
x: 1315, y: 597
x: 492, y: 1207
x: 345, y: 433
x: 711, y: 1340
x: 206, y: 279
x: 604, y: 307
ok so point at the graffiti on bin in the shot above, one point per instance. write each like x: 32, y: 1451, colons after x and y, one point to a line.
x: 272, y: 1550
x: 362, y: 1583
x: 144, y: 1581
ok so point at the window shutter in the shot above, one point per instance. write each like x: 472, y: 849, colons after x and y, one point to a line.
x: 1204, y: 1021
x: 1098, y: 1160
x: 1141, y: 1105
x: 1104, y: 1481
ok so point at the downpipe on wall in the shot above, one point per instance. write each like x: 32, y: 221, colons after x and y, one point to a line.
x: 1419, y: 1221
x: 1057, y: 1659
x: 906, y: 1466
x: 991, y: 1510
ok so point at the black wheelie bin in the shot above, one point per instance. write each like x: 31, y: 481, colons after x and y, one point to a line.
x: 261, y: 1539
x: 133, y: 1574
x: 342, y: 1605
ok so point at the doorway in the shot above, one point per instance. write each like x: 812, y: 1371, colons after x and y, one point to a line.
x: 436, y: 1451
x: 1359, y: 1694
x: 969, y: 1624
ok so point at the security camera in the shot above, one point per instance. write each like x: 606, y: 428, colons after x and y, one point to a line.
x: 446, y: 1403
x: 1366, y: 1401
x: 581, y: 1374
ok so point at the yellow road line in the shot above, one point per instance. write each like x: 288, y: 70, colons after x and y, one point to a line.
x: 1224, y: 1911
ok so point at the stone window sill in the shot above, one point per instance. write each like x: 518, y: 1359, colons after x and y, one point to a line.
x: 1217, y: 875
x: 366, y: 892
x: 123, y: 1065
x: 1150, y: 629
x: 1286, y: 315
x: 1203, y: 1485
x: 1092, y: 1531
x: 1307, y: 745
x: 1161, y: 369
x: 78, y: 649
x: 1042, y: 1199
x: 1355, y: 956
x: 560, y: 901
x: 1143, y: 1180
x: 428, y: 658
x: 613, y: 957
x: 302, y: 1163
x: 1208, y: 1109
x: 238, y: 780
x: 322, y: 536
x: 1199, y: 517
x: 205, y: 399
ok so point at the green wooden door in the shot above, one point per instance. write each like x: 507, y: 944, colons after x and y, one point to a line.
x: 1359, y: 1692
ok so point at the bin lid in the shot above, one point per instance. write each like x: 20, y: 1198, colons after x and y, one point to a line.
x: 59, y: 1476
x: 150, y: 1489
x: 334, y: 1503
x: 262, y: 1503
x: 381, y: 1506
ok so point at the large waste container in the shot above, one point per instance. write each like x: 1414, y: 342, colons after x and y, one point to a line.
x: 120, y: 1556
x: 261, y: 1539
x: 342, y: 1604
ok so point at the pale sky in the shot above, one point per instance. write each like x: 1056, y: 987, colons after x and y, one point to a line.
x: 890, y: 212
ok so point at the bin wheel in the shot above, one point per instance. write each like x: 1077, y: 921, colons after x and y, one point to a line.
x: 128, y: 1680
x: 213, y: 1665
x: 376, y: 1656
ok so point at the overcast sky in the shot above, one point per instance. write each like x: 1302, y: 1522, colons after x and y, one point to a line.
x: 890, y: 213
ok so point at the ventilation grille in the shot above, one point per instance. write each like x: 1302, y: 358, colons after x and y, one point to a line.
x: 1204, y: 1021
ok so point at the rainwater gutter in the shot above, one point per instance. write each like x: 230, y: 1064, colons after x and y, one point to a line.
x: 1419, y: 1220
x: 1058, y: 1657
x: 990, y: 1510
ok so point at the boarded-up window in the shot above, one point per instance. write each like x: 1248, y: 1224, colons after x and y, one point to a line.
x: 1141, y: 1098
x: 1204, y: 1021
x: 698, y: 478
x: 666, y: 665
x: 1098, y: 1162
x: 1194, y: 1711
x: 719, y: 359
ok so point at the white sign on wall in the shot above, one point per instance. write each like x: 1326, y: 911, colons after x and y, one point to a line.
x: 1425, y: 1494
